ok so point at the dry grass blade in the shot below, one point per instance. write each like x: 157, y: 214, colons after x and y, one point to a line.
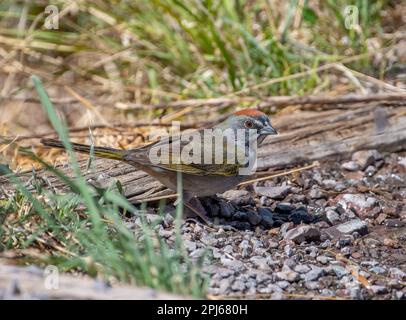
x: 56, y: 247
x: 169, y: 196
x: 378, y: 82
x: 361, y: 279
x: 331, y: 100
x: 34, y: 44
x: 8, y: 144
x: 354, y: 269
x: 297, y: 75
x: 315, y: 164
x: 129, y: 68
x: 267, y: 296
x: 87, y: 104
x: 266, y: 102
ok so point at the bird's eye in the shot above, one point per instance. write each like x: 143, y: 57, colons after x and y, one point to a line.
x: 248, y: 124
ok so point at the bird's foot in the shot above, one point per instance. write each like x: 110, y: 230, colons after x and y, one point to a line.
x: 197, y: 209
x: 225, y: 227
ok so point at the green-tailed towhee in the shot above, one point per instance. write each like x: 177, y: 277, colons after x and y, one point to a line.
x: 200, y: 178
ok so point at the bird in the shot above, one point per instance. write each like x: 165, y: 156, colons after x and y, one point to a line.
x: 199, y: 178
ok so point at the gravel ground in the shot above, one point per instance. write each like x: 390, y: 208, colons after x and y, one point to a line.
x: 335, y: 231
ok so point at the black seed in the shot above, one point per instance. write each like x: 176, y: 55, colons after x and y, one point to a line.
x: 300, y: 215
x: 240, y: 225
x: 267, y: 217
x: 284, y: 209
x: 254, y: 218
x: 226, y: 209
x: 241, y: 216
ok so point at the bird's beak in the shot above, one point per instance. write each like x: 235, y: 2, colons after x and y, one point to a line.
x: 268, y: 130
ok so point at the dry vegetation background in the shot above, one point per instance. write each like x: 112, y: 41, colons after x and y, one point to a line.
x: 113, y: 64
x: 124, y: 69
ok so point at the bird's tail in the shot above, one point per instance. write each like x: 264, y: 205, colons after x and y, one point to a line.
x: 101, y: 152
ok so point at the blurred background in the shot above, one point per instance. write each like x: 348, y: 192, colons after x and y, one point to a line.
x: 332, y: 75
x: 116, y: 65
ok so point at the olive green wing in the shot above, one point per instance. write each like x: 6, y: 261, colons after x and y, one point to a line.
x: 195, y: 158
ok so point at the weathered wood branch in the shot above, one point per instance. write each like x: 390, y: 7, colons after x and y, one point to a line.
x: 388, y: 99
x: 266, y: 102
x: 31, y: 283
x: 306, y: 136
x: 391, y: 140
x: 319, y: 100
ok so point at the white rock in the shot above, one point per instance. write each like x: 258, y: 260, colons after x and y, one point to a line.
x: 235, y: 265
x: 278, y: 192
x: 329, y: 183
x: 350, y: 166
x: 314, y: 274
x: 360, y: 203
x: 397, y: 274
x: 355, y: 225
x: 332, y: 216
x: 302, y: 268
x: 312, y: 285
x: 303, y: 233
x: 239, y: 197
x: 289, y: 275
x: 352, y: 226
x: 340, y: 271
x: 402, y: 162
x: 365, y: 158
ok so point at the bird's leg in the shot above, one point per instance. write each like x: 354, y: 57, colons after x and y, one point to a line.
x: 197, y: 210
x: 195, y: 206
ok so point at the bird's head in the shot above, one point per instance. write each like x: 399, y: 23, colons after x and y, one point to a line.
x: 250, y: 119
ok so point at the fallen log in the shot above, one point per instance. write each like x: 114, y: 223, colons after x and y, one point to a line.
x: 266, y: 102
x: 31, y: 283
x: 306, y: 137
x: 392, y: 140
